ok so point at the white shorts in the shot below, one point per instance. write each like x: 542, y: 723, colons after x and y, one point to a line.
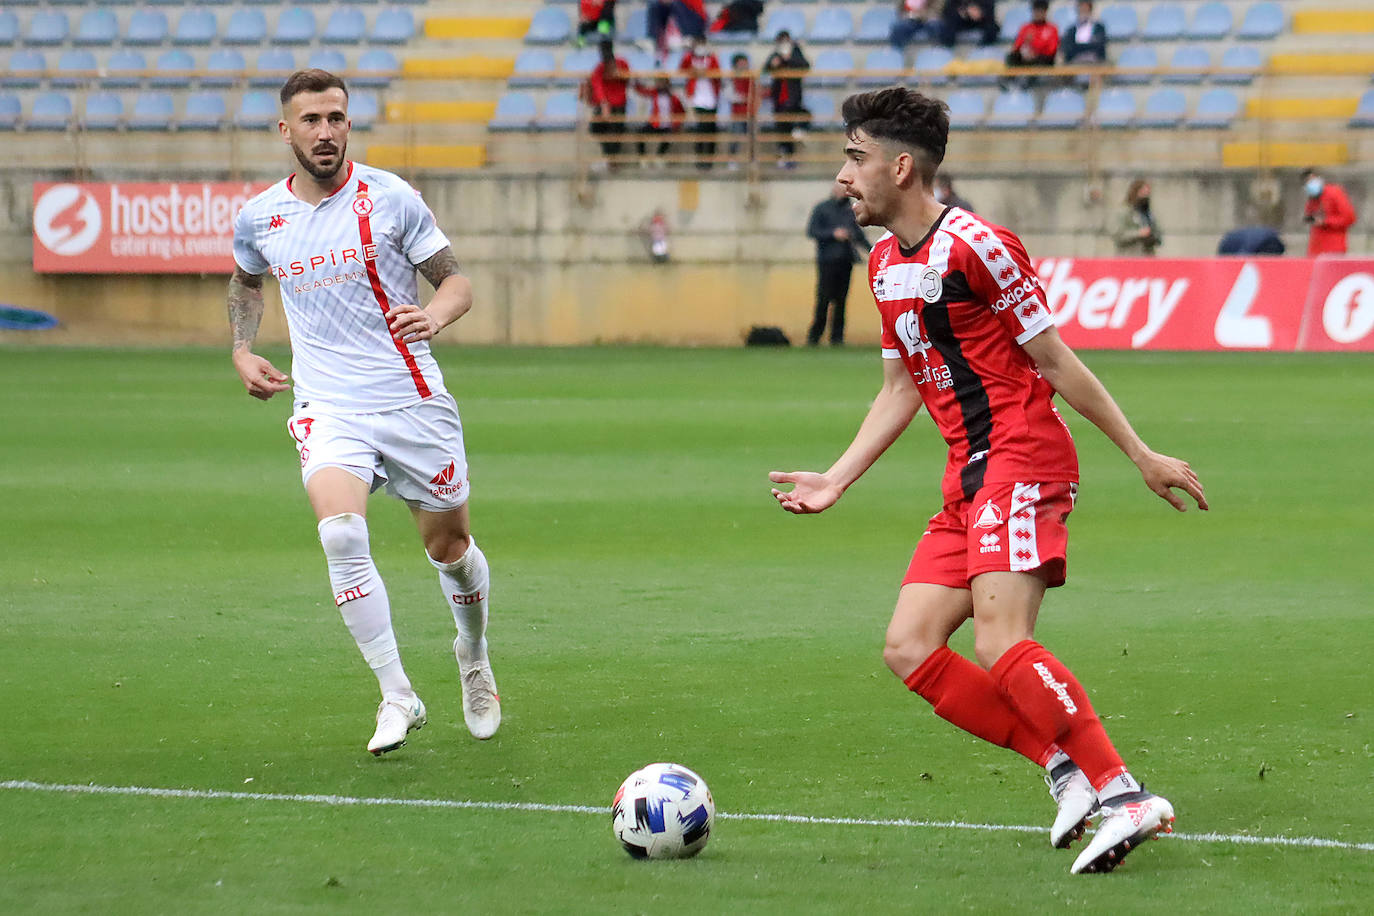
x: 416, y: 452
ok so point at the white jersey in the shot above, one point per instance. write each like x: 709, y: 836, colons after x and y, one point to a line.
x: 341, y: 265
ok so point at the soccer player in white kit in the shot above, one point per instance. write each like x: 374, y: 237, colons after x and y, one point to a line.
x: 344, y: 242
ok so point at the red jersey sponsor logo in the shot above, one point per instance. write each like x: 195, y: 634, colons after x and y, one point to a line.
x: 334, y: 257
x: 462, y: 600
x: 1017, y: 294
x: 441, y: 484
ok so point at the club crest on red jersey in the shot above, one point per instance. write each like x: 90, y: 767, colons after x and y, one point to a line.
x: 989, y: 516
x: 931, y: 284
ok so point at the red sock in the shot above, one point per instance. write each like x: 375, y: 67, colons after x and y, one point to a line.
x: 1047, y: 695
x: 965, y: 695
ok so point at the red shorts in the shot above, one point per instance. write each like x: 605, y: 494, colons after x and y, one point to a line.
x: 1006, y: 527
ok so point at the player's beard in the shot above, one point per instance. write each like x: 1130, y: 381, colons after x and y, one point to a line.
x: 320, y: 173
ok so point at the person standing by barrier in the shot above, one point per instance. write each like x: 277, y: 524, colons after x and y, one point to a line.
x: 1136, y: 232
x: 1328, y: 212
x: 790, y: 117
x: 606, y: 91
x: 836, y: 233
x: 702, y: 67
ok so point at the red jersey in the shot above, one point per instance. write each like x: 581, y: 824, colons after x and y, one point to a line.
x: 956, y: 309
x: 1037, y: 39
x: 608, y: 89
x: 1333, y: 215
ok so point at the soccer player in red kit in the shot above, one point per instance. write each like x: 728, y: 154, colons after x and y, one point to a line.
x: 967, y: 332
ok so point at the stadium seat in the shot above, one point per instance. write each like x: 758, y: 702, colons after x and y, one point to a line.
x: 1013, y: 19
x: 196, y: 27
x: 825, y: 111
x: 1244, y: 62
x: 1188, y: 62
x: 875, y: 25
x: 257, y: 110
x: 74, y: 68
x: 1011, y: 110
x: 1115, y: 108
x: 560, y: 112
x: 831, y: 26
x: 97, y: 26
x: 1063, y: 15
x: 327, y: 59
x: 393, y: 26
x: 641, y: 61
x: 1211, y: 22
x: 10, y: 110
x: 1261, y: 21
x: 550, y: 26
x: 104, y: 111
x: 152, y: 111
x: 346, y: 26
x: 1163, y: 108
x: 172, y: 68
x: 1216, y: 108
x: 9, y: 27
x: 246, y: 26
x: 966, y: 109
x: 295, y: 26
x: 26, y: 69
x: 124, y: 69
x: 1164, y: 22
x: 514, y: 111
x: 1364, y: 111
x: 931, y: 65
x: 204, y: 111
x: 1063, y: 108
x: 223, y: 67
x: 980, y: 62
x: 47, y: 27
x: 830, y: 67
x: 272, y: 67
x: 576, y: 66
x: 1135, y: 57
x: 880, y: 68
x: 50, y: 111
x: 787, y: 19
x: 376, y: 68
x: 363, y: 110
x: 1121, y: 22
x: 636, y: 24
x: 146, y: 27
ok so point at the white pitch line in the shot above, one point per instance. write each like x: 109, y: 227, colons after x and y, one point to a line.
x: 343, y: 801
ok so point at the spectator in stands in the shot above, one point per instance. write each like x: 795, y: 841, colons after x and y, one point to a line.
x: 689, y: 16
x: 965, y: 15
x: 605, y: 91
x: 742, y: 94
x: 666, y: 115
x: 1328, y: 212
x: 1085, y: 39
x: 739, y: 16
x: 1251, y: 240
x: 913, y: 21
x: 786, y: 64
x: 945, y: 194
x: 837, y: 234
x: 702, y: 67
x: 1136, y: 231
x: 595, y: 17
x: 1038, y: 41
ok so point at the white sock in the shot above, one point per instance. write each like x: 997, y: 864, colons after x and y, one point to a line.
x: 1057, y: 760
x: 362, y: 601
x: 1123, y: 784
x: 466, y: 582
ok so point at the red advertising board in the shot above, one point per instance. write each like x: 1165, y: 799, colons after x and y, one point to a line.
x: 1339, y: 314
x: 142, y: 227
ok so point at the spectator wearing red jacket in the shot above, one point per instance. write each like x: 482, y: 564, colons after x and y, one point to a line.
x: 1329, y: 213
x: 688, y: 15
x: 742, y: 93
x: 1038, y: 41
x: 606, y: 91
x: 666, y: 114
x: 702, y: 67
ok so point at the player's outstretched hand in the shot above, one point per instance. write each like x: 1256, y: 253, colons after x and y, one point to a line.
x: 1163, y: 473
x: 410, y: 323
x: 810, y: 493
x: 261, y: 378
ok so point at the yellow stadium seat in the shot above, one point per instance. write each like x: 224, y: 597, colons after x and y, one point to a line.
x: 395, y: 156
x: 476, y: 26
x: 1283, y: 155
x: 1292, y: 109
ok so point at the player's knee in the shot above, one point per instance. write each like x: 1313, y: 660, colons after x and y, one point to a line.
x: 989, y: 645
x: 447, y: 548
x: 905, y: 655
x: 344, y: 535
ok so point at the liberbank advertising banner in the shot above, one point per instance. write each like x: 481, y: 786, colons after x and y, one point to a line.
x: 137, y: 228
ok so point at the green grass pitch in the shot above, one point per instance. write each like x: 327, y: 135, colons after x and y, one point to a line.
x: 167, y: 623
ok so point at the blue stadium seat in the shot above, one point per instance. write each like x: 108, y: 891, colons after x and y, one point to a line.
x: 636, y: 24
x: 104, y: 111
x: 363, y: 110
x: 97, y: 26
x: 1364, y: 111
x: 1163, y: 108
x: 346, y: 26
x: 789, y: 20
x: 26, y: 68
x: 172, y: 68
x: 1063, y: 15
x: 47, y: 27
x: 1135, y: 57
x: 514, y: 111
x: 930, y: 64
x: 878, y: 61
x: 146, y: 27
x: 1245, y: 61
x: 50, y: 111
x: 1121, y: 22
x: 124, y: 69
x: 272, y: 67
x: 1012, y: 110
x: 531, y: 61
x: 223, y: 67
x: 196, y: 27
x: 1063, y: 108
x: 1164, y: 22
x: 1211, y: 22
x: 152, y: 111
x: 246, y: 27
x: 295, y: 26
x: 1216, y: 108
x: 376, y: 68
x: 327, y: 59
x: 9, y: 27
x: 825, y: 111
x: 875, y: 25
x: 1261, y: 21
x: 576, y: 66
x: 258, y: 109
x: 831, y: 26
x: 10, y: 110
x: 74, y: 68
x: 550, y: 26
x: 1189, y: 61
x: 560, y: 112
x: 966, y: 109
x: 204, y: 111
x: 1012, y: 20
x: 393, y: 26
x: 830, y: 67
x: 1115, y: 108
x: 641, y: 61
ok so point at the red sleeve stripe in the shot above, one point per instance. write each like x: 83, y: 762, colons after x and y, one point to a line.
x: 365, y: 236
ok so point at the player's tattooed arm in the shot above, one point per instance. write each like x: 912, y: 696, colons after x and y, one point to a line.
x: 438, y: 267
x: 452, y: 300
x: 245, y: 307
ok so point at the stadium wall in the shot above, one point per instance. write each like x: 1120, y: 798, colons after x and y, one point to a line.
x: 558, y: 262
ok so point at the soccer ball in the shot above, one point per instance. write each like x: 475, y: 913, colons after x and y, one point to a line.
x: 663, y: 811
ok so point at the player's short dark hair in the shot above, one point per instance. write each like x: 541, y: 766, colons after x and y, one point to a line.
x: 313, y: 80
x: 1040, y: 4
x: 1309, y: 172
x: 902, y: 116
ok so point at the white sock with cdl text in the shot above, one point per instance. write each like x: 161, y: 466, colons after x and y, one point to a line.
x: 466, y: 582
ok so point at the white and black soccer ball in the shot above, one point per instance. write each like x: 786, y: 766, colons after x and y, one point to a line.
x: 663, y: 811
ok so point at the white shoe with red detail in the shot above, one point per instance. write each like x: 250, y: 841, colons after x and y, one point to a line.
x: 1127, y: 822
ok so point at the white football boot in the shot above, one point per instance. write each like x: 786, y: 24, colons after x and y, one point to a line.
x: 1077, y: 801
x: 396, y: 718
x: 1127, y: 821
x: 481, y: 702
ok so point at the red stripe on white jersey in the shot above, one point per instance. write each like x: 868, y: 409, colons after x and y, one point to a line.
x: 365, y: 236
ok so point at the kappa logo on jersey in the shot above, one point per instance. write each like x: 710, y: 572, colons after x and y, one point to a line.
x: 989, y: 516
x: 1016, y: 295
x: 908, y: 328
x: 277, y: 222
x: 441, y: 484
x: 931, y: 284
